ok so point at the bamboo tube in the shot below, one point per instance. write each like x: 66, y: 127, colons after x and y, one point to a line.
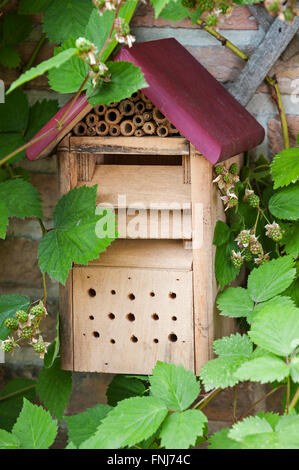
x: 112, y: 116
x: 114, y: 130
x: 138, y: 120
x: 171, y: 128
x: 147, y: 116
x: 126, y: 107
x: 135, y: 96
x: 149, y: 127
x: 158, y: 116
x: 91, y: 131
x: 162, y: 130
x: 149, y: 105
x: 127, y: 128
x: 91, y: 119
x: 80, y: 128
x: 102, y: 128
x: 100, y: 109
x: 113, y: 105
x: 139, y: 133
x: 144, y: 98
x: 139, y: 107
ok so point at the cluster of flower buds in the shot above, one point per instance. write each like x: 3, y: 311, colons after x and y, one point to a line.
x: 286, y: 10
x: 122, y: 34
x: 274, y: 231
x: 25, y: 326
x: 250, y: 248
x: 86, y: 49
x: 226, y: 180
x: 252, y: 198
x: 106, y: 5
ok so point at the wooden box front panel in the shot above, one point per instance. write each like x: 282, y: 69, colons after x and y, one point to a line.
x: 125, y: 319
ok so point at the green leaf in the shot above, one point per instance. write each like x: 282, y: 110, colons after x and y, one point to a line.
x: 11, y: 406
x: 284, y: 204
x: 251, y: 425
x: 294, y: 367
x: 16, y: 28
x: 219, y: 373
x: 30, y: 7
x: 21, y: 198
x: 180, y: 430
x: 54, y: 387
x: 40, y: 113
x: 271, y: 278
x: 74, y: 237
x: 9, y: 57
x: 174, y: 11
x: 268, y: 368
x: 132, y: 421
x: 285, y: 167
x: 174, y: 385
x: 66, y: 19
x: 235, y: 302
x: 233, y: 345
x: 221, y: 234
x: 276, y: 330
x: 14, y: 113
x: 9, y: 305
x: 158, y: 6
x: 3, y: 219
x: 8, y: 440
x: 70, y: 75
x: 291, y: 240
x: 126, y: 78
x: 83, y: 425
x: 98, y: 28
x: 123, y: 387
x: 220, y: 440
x: 35, y: 428
x: 10, y: 142
x: 43, y: 67
x: 224, y: 269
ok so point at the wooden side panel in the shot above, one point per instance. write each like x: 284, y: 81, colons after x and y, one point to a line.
x: 86, y: 163
x: 126, y: 319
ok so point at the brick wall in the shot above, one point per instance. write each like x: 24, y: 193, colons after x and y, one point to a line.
x: 19, y: 270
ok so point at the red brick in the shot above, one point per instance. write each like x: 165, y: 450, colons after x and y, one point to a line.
x: 287, y: 73
x: 275, y: 135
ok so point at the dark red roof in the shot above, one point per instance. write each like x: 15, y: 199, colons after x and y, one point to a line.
x: 187, y: 94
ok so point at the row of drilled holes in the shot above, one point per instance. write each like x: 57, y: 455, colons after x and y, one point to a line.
x: 172, y: 337
x: 93, y: 293
x: 131, y: 317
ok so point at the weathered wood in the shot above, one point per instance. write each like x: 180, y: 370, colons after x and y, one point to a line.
x: 262, y: 16
x: 67, y: 167
x: 66, y: 325
x: 86, y: 166
x: 131, y: 318
x: 131, y: 145
x: 274, y: 43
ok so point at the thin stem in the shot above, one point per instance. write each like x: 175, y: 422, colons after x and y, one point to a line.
x: 17, y: 392
x: 110, y: 33
x: 288, y: 395
x: 45, y: 289
x: 277, y: 97
x: 36, y: 50
x: 264, y: 397
x: 295, y: 399
x: 74, y: 99
x: 256, y: 221
x: 206, y: 400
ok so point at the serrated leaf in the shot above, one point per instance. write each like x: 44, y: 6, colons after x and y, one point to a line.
x: 11, y: 406
x: 180, y: 430
x: 250, y: 425
x: 294, y: 368
x: 3, y: 219
x: 221, y: 234
x: 284, y: 204
x: 285, y: 167
x: 280, y: 300
x: 74, y: 237
x: 54, y: 387
x: 291, y: 240
x: 83, y: 425
x: 9, y: 305
x: 132, y: 421
x: 8, y: 440
x: 158, y: 6
x: 16, y: 28
x: 276, y: 330
x: 268, y: 368
x: 43, y: 67
x: 123, y: 387
x: 219, y: 373
x: 271, y: 278
x: 35, y: 428
x: 235, y: 302
x: 233, y: 345
x: 220, y: 440
x: 21, y: 198
x: 174, y: 11
x: 126, y: 78
x: 40, y: 113
x: 14, y: 113
x: 9, y: 57
x: 174, y: 385
x: 30, y: 7
x: 66, y: 19
x: 10, y: 141
x: 224, y: 269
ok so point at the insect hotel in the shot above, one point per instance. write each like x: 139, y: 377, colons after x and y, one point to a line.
x: 151, y: 295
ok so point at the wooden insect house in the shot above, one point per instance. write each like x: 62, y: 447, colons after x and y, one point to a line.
x: 151, y: 295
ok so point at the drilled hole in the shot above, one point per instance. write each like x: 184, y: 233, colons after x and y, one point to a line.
x: 155, y: 316
x: 131, y: 296
x: 112, y: 341
x: 111, y: 316
x: 174, y: 318
x: 152, y: 294
x: 131, y: 317
x: 92, y: 292
x: 172, y: 295
x: 134, y: 339
x: 91, y: 317
x: 96, y: 334
x: 113, y: 292
x: 172, y: 337
x: 156, y: 340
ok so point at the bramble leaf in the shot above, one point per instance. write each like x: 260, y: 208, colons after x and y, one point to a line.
x: 8, y: 440
x: 221, y: 234
x: 220, y: 440
x: 285, y: 167
x: 9, y: 305
x: 268, y: 368
x: 180, y: 430
x: 122, y: 387
x: 158, y: 6
x: 235, y: 302
x: 224, y: 269
x: 14, y: 113
x: 233, y: 345
x: 21, y: 198
x: 11, y: 406
x: 284, y: 203
x: 83, y: 425
x: 39, y: 114
x: 3, y: 219
x: 30, y: 7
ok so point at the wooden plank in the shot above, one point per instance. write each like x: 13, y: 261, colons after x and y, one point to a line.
x: 156, y: 254
x: 131, y: 145
x: 137, y: 186
x: 274, y: 43
x: 67, y: 167
x: 66, y: 324
x: 86, y: 166
x: 132, y: 318
x: 262, y: 16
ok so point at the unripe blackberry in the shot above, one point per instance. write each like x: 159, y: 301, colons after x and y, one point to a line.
x: 253, y: 200
x: 232, y: 201
x: 227, y: 178
x: 234, y: 168
x: 11, y: 323
x: 276, y: 235
x: 238, y: 263
x: 7, y: 347
x: 218, y: 169
x: 288, y: 14
x: 247, y: 255
x: 256, y: 247
x: 27, y: 332
x: 84, y: 45
x: 22, y: 316
x: 188, y: 3
x: 244, y: 238
x: 39, y: 347
x: 211, y: 20
x: 37, y: 310
x: 205, y: 5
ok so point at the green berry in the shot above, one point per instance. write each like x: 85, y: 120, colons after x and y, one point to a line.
x: 256, y: 247
x: 22, y: 316
x: 211, y: 20
x: 232, y: 201
x: 234, y: 168
x: 276, y: 234
x: 206, y: 5
x: 247, y: 255
x: 39, y: 347
x: 237, y: 262
x: 227, y: 178
x: 244, y: 237
x: 219, y: 169
x: 188, y: 3
x: 253, y: 200
x: 11, y: 323
x: 84, y: 45
x: 27, y: 332
x: 274, y: 7
x: 7, y: 347
x: 288, y: 14
x: 37, y: 310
